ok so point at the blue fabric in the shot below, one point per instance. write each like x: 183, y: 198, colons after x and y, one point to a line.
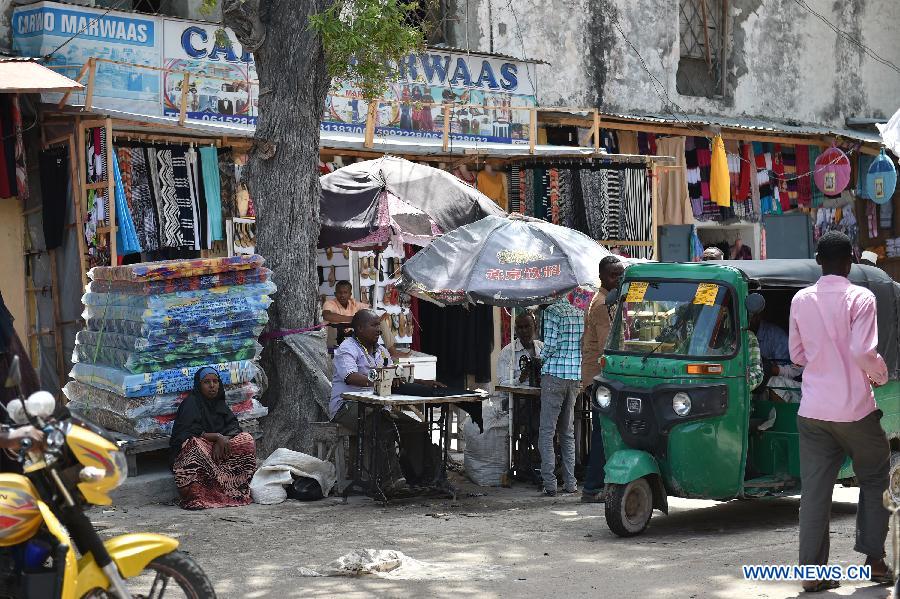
x: 205, y: 371
x: 773, y: 343
x: 126, y: 235
x: 209, y: 161
x: 563, y: 328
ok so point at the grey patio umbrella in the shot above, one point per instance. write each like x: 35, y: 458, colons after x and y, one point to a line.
x: 374, y: 199
x: 511, y: 261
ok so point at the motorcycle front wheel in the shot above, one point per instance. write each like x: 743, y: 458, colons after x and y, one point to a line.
x: 170, y: 576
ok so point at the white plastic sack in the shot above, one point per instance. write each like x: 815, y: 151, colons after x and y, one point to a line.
x: 280, y: 468
x: 486, y: 456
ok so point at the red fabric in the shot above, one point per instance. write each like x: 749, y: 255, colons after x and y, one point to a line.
x: 747, y: 170
x: 96, y: 133
x: 652, y: 141
x: 205, y: 483
x: 804, y: 183
x: 505, y: 328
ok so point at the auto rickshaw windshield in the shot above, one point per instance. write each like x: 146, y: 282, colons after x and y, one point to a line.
x: 675, y: 318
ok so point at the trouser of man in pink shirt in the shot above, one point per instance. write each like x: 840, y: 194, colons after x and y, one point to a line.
x: 823, y: 447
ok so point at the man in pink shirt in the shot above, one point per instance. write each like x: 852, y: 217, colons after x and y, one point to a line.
x: 834, y: 335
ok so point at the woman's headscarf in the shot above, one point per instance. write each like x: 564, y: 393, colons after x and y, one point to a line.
x: 198, y: 381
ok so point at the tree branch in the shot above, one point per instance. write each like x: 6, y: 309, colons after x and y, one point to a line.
x: 243, y: 17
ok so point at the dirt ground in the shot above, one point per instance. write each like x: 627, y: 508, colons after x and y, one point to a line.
x: 505, y: 543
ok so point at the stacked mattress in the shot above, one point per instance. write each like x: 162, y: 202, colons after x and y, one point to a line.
x: 150, y: 327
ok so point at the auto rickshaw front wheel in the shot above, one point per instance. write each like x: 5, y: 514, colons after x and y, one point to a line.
x: 629, y: 507
x: 894, y: 477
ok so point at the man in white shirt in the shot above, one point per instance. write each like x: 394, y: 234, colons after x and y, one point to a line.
x: 508, y: 370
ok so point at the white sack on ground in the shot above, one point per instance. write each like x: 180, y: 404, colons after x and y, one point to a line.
x: 280, y: 468
x: 395, y: 565
x: 486, y: 455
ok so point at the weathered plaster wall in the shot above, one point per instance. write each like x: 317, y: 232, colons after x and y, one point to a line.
x: 784, y: 63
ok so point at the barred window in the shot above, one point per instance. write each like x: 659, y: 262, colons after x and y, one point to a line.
x: 703, y: 36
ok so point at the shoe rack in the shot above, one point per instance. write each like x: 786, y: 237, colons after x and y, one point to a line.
x: 377, y: 276
x: 333, y: 265
x: 240, y: 235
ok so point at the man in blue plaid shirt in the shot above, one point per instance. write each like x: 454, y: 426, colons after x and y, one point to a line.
x: 560, y: 385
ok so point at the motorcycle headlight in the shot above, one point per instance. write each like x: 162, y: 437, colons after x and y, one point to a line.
x: 681, y: 404
x: 602, y: 397
x: 121, y: 464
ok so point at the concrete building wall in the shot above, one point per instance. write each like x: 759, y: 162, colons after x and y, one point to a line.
x: 783, y: 63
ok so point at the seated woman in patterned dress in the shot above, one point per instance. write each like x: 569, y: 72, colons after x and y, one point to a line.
x: 212, y: 459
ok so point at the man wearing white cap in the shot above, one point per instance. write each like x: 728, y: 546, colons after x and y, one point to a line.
x: 869, y: 258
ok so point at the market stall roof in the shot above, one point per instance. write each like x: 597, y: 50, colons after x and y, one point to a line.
x: 748, y: 124
x: 398, y: 146
x: 24, y: 75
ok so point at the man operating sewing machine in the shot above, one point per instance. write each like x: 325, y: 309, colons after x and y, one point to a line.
x: 354, y: 361
x: 519, y: 362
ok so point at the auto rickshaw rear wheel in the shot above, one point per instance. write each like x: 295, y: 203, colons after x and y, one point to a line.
x: 894, y: 477
x: 629, y: 507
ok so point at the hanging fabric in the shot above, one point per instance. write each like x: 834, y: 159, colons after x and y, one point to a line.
x: 553, y: 195
x: 126, y: 237
x: 143, y: 207
x: 228, y: 184
x: 515, y: 198
x: 176, y: 204
x: 613, y: 199
x: 720, y: 180
x: 579, y: 213
x: 566, y: 217
x: 54, y: 179
x: 863, y: 162
x: 696, y: 246
x: 593, y: 186
x: 209, y: 158
x: 21, y: 165
x: 674, y: 203
x: 628, y: 142
x: 817, y: 196
x: 804, y: 182
x: 636, y: 207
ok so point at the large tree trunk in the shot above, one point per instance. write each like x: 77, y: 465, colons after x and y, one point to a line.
x: 283, y: 179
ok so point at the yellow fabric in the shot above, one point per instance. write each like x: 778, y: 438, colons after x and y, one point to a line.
x: 493, y: 185
x: 719, y: 179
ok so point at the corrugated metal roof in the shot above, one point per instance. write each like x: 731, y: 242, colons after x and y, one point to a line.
x: 749, y: 124
x: 27, y: 76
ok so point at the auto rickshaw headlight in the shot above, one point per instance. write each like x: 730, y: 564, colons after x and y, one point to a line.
x: 681, y: 404
x: 603, y: 397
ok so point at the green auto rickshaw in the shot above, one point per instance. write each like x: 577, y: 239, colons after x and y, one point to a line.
x: 677, y: 413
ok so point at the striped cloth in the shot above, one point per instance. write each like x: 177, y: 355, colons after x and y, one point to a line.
x: 206, y: 483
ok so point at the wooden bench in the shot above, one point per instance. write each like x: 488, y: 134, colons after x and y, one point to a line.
x: 134, y: 446
x: 335, y: 443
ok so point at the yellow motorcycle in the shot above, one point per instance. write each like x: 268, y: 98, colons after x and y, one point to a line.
x: 51, y: 547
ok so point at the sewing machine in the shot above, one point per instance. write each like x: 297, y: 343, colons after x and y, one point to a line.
x: 383, y: 378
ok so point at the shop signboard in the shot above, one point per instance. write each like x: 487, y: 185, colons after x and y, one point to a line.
x: 129, y: 39
x: 222, y: 84
x: 487, y: 96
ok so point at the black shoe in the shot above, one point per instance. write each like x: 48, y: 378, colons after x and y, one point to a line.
x: 548, y: 492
